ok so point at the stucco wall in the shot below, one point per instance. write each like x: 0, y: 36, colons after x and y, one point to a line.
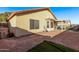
x: 62, y: 23
x: 13, y: 21
x: 23, y: 21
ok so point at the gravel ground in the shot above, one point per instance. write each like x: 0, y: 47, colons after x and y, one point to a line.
x: 21, y: 44
x: 67, y: 38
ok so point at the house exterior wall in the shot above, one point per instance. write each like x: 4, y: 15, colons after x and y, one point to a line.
x: 23, y: 21
x: 62, y: 23
x: 13, y: 21
x: 65, y: 25
x: 12, y: 24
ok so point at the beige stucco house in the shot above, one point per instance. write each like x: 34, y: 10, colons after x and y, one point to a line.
x: 33, y: 21
x: 63, y: 24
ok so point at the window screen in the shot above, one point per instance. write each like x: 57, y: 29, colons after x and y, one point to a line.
x: 34, y: 24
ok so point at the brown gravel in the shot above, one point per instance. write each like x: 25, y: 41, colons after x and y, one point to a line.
x: 21, y: 44
x: 69, y: 39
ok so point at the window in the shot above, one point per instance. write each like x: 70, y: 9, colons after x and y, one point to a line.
x: 51, y: 24
x: 47, y: 24
x: 34, y: 24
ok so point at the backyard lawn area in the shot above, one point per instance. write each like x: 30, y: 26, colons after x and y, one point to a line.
x: 50, y: 47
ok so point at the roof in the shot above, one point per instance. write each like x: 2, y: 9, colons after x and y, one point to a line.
x: 29, y: 11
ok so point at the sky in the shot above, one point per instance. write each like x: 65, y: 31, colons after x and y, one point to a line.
x: 61, y: 13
